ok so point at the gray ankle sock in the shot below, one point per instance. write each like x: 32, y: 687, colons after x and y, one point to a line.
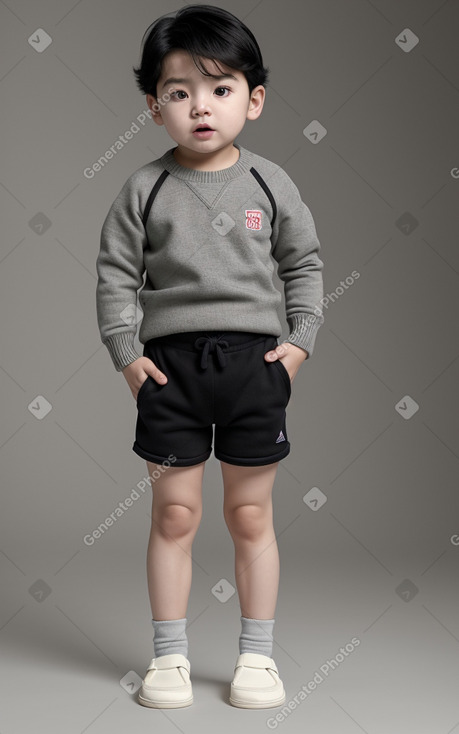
x: 170, y: 637
x: 256, y: 636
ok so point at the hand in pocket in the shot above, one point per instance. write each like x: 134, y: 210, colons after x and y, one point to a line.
x: 138, y: 372
x: 290, y: 356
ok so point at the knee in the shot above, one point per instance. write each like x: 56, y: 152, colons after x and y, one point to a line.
x: 247, y: 522
x: 176, y: 521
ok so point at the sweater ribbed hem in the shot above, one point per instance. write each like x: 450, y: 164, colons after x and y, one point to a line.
x: 192, y: 174
x: 121, y: 349
x: 303, y: 331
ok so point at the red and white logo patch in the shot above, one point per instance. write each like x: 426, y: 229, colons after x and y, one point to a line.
x: 253, y: 219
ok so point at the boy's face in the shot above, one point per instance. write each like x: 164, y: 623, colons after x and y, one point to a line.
x: 223, y: 104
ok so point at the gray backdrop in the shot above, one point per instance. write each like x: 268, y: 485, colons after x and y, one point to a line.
x: 362, y: 112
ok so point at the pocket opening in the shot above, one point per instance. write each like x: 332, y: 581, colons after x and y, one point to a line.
x: 142, y: 387
x: 285, y: 375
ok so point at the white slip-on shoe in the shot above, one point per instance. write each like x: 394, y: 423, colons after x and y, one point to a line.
x: 167, y: 683
x: 256, y: 683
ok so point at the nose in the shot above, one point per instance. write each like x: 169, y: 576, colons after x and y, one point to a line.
x: 201, y: 106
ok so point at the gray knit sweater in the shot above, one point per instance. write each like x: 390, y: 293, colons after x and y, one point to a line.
x: 206, y: 242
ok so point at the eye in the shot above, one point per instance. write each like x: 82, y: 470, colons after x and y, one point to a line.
x: 225, y: 89
x: 177, y: 92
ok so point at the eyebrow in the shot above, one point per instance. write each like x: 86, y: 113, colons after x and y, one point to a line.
x: 176, y: 80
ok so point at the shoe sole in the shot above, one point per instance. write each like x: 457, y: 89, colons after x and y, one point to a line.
x: 256, y: 704
x: 164, y: 704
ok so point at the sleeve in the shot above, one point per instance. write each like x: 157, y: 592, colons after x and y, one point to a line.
x: 296, y: 250
x: 120, y: 268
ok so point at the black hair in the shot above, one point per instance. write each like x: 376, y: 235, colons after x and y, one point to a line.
x: 203, y: 31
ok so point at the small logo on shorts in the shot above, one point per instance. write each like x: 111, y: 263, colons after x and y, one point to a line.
x: 253, y: 218
x: 280, y: 437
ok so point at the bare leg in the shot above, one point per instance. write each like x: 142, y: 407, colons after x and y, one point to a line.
x: 248, y: 514
x: 176, y: 515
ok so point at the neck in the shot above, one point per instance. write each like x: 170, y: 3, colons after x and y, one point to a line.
x: 215, y: 161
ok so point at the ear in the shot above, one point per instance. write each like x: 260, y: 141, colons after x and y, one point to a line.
x: 256, y: 102
x: 153, y: 106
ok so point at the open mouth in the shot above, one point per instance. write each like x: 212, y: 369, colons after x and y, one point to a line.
x: 202, y: 128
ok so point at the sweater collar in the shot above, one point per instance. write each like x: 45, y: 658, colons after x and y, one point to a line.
x: 192, y: 174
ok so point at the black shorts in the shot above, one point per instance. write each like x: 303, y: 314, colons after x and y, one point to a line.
x: 219, y: 378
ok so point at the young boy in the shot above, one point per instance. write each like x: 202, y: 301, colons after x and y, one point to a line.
x: 203, y: 221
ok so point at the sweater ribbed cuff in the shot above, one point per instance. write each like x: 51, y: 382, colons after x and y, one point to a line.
x: 121, y: 349
x: 303, y: 331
